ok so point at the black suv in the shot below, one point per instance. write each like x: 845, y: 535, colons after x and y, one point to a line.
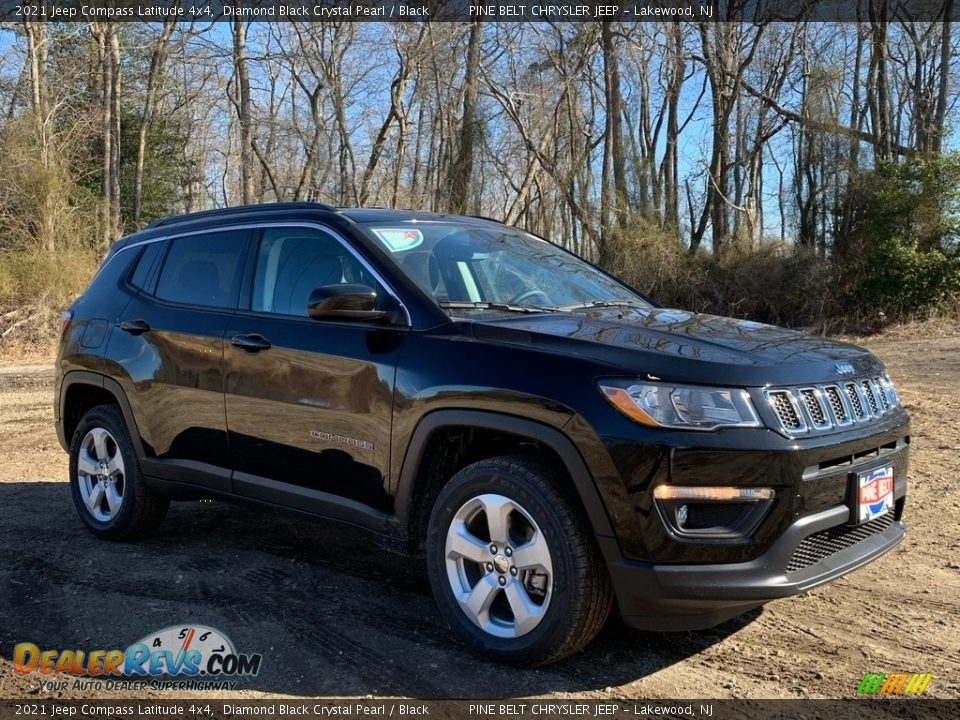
x: 552, y: 440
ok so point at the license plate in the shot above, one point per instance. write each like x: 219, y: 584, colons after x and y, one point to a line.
x: 874, y: 493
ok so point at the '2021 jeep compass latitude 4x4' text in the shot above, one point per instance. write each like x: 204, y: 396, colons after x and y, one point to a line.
x: 552, y: 440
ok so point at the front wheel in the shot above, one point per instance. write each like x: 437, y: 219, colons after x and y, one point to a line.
x: 513, y: 565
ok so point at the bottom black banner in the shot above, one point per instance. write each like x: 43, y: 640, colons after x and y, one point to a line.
x: 516, y: 709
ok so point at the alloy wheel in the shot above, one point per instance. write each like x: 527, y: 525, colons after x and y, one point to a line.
x: 498, y: 565
x: 100, y: 471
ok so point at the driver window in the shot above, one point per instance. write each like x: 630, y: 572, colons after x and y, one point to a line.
x: 293, y: 262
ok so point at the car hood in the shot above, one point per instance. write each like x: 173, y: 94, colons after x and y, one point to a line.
x: 684, y: 346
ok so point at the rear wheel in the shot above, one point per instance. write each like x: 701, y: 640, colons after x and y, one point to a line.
x: 513, y: 565
x: 108, y: 490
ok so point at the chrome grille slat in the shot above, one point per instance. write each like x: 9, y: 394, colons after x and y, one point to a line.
x: 815, y: 408
x: 877, y: 385
x: 841, y: 414
x: 871, y: 396
x: 820, y: 408
x: 787, y: 410
x: 853, y: 393
x: 889, y: 392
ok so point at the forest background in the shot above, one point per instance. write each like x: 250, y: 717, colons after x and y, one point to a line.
x: 803, y: 174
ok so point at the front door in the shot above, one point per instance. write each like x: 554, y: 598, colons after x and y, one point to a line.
x: 309, y: 403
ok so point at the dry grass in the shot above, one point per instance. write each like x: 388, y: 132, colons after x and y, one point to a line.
x: 35, y: 287
x: 18, y: 352
x: 936, y: 327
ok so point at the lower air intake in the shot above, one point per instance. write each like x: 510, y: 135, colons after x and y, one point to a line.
x: 814, y: 548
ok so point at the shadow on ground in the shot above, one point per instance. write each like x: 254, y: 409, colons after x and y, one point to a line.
x: 331, y: 613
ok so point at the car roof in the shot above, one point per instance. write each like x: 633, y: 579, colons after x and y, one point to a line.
x: 287, y: 211
x: 379, y: 215
x: 358, y: 215
x: 235, y: 210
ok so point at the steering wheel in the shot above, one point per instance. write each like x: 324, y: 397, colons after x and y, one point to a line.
x: 527, y: 295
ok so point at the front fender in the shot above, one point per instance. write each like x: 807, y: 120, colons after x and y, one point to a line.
x: 521, y: 427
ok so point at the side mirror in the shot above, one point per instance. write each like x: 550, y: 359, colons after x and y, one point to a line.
x: 344, y: 302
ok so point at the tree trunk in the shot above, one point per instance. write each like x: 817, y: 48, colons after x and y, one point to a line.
x: 461, y: 170
x: 157, y: 60
x: 37, y: 39
x: 614, y: 155
x: 944, y: 79
x: 108, y: 52
x: 114, y: 130
x: 244, y: 109
x: 879, y: 93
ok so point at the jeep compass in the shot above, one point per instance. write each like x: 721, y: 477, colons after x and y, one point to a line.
x: 553, y: 442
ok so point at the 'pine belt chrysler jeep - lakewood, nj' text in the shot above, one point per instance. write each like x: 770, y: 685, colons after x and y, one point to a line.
x: 553, y: 441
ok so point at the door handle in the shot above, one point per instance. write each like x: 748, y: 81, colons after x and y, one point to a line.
x: 135, y: 327
x: 250, y: 343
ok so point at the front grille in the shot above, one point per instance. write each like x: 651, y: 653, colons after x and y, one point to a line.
x: 814, y: 548
x: 882, y: 396
x: 836, y: 404
x: 870, y: 395
x: 855, y: 403
x: 811, y: 401
x: 786, y: 411
x: 820, y: 408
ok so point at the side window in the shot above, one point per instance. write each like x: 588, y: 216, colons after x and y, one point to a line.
x: 204, y: 269
x: 143, y: 273
x: 293, y: 262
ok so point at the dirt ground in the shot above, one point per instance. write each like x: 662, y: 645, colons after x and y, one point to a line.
x: 333, y: 616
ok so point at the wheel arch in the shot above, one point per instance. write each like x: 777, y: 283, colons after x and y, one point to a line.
x: 415, y: 487
x: 82, y: 390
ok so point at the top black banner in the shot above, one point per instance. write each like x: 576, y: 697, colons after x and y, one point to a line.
x: 571, y: 11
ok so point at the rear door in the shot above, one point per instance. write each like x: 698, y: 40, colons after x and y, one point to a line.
x: 169, y: 342
x: 309, y: 403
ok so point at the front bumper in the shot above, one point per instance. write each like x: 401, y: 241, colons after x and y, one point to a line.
x: 691, y: 597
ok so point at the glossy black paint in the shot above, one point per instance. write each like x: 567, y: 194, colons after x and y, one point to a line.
x: 334, y: 417
x: 344, y: 302
x: 676, y: 345
x: 314, y: 409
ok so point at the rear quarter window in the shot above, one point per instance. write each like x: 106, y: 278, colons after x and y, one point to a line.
x: 143, y: 273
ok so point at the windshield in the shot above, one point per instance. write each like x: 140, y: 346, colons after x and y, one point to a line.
x: 472, y: 266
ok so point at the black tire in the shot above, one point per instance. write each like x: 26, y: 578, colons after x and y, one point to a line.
x: 142, y: 509
x: 581, y: 596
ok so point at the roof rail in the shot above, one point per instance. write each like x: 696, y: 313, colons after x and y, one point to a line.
x: 239, y: 210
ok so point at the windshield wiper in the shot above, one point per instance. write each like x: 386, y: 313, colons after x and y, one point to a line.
x: 503, y: 307
x: 600, y: 304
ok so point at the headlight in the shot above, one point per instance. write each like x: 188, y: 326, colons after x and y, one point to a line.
x: 685, y: 407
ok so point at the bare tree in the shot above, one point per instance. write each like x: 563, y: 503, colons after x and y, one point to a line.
x: 108, y: 54
x: 158, y: 57
x: 244, y: 107
x: 461, y: 170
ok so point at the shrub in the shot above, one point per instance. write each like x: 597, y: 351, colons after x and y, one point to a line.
x: 905, y: 283
x: 775, y: 282
x: 907, y: 264
x: 42, y: 205
x: 35, y: 286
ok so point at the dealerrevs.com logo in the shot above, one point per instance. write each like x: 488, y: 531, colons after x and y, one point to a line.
x: 180, y: 657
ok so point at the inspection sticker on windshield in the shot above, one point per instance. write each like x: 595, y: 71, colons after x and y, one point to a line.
x: 874, y: 493
x: 399, y: 239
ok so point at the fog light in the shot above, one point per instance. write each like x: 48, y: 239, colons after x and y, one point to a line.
x: 712, y: 512
x: 712, y: 494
